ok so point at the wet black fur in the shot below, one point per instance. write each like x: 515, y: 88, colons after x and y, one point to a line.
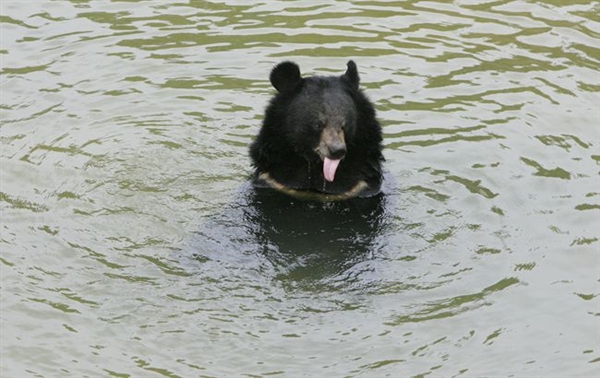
x: 291, y: 129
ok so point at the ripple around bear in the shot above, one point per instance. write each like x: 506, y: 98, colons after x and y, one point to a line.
x: 319, y: 135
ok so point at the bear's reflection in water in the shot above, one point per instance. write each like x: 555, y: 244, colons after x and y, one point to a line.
x: 297, y: 241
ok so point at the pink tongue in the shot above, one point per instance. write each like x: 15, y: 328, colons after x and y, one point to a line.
x: 329, y: 167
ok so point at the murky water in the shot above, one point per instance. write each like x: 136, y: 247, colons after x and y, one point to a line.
x: 132, y: 244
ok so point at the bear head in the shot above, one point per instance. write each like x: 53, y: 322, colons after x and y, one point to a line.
x: 321, y: 116
x: 318, y: 133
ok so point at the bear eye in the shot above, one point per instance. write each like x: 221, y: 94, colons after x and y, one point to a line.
x: 320, y: 125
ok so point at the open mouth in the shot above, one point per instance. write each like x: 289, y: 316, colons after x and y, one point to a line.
x: 329, y: 168
x: 331, y: 150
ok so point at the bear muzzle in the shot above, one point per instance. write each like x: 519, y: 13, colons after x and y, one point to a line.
x: 337, y: 150
x: 331, y: 149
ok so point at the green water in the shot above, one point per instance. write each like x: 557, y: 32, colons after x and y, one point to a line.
x: 132, y: 246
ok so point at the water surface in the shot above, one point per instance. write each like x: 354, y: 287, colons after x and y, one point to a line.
x: 132, y: 244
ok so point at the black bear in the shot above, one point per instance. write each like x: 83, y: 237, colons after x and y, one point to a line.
x: 319, y: 135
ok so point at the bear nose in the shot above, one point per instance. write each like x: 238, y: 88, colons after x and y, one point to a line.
x: 337, y: 150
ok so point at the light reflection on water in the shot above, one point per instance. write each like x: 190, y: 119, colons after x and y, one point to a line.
x: 132, y: 245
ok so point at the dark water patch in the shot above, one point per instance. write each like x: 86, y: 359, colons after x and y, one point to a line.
x: 298, y: 240
x: 453, y: 306
x: 544, y: 172
x: 22, y: 204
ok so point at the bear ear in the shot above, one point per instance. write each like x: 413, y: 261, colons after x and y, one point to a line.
x: 285, y: 77
x: 351, y: 75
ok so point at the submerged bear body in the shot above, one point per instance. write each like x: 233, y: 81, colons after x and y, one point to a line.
x: 319, y: 135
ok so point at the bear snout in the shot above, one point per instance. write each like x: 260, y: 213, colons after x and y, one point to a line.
x: 332, y: 143
x: 337, y: 150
